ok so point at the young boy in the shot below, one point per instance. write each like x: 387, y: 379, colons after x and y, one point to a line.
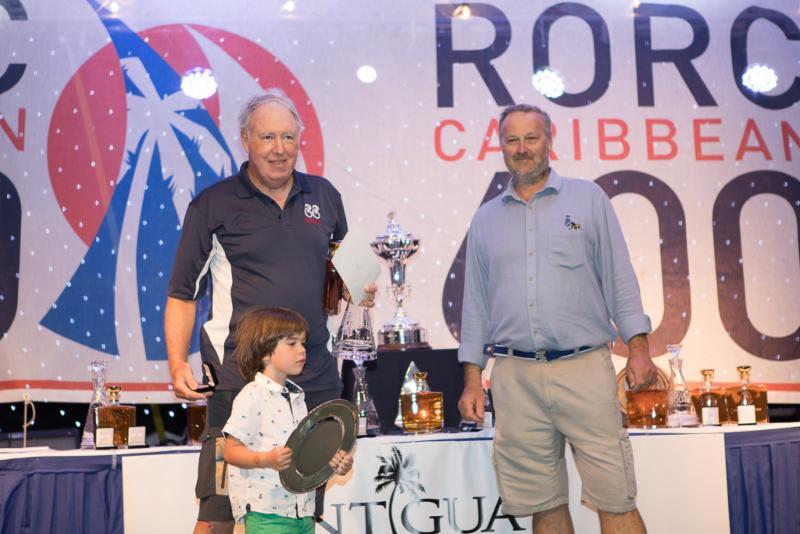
x: 269, y: 348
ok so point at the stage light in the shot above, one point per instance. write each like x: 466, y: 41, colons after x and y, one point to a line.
x: 288, y: 7
x: 113, y: 7
x: 367, y: 74
x: 548, y: 82
x: 198, y: 83
x: 759, y: 78
x: 462, y: 11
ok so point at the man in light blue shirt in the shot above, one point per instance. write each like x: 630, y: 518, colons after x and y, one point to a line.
x: 549, y: 284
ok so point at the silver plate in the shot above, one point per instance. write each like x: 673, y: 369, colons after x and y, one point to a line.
x: 326, y: 429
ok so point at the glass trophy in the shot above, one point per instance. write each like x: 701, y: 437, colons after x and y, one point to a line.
x: 680, y: 411
x: 99, y: 399
x: 409, y: 386
x: 355, y: 341
x: 396, y: 246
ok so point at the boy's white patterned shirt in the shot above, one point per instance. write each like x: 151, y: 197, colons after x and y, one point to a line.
x: 263, y: 419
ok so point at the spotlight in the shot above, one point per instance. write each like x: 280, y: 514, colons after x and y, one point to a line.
x: 198, y: 83
x: 366, y: 74
x: 759, y: 78
x: 548, y: 82
x: 462, y: 11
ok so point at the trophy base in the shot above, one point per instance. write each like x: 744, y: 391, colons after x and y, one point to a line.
x: 403, y: 338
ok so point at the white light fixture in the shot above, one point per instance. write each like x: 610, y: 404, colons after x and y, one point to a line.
x: 367, y: 74
x: 548, y: 82
x: 198, y: 83
x: 462, y: 11
x: 759, y: 78
x: 288, y: 7
x: 113, y: 7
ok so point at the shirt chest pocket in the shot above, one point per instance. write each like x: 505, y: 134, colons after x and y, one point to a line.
x: 566, y: 251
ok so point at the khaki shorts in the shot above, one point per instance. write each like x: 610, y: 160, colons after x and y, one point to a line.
x: 540, y: 405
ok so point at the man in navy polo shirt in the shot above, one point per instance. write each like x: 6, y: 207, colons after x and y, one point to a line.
x: 262, y: 236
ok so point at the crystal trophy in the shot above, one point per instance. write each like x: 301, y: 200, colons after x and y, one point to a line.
x: 396, y: 246
x: 99, y: 399
x: 409, y: 386
x: 680, y: 411
x: 355, y: 341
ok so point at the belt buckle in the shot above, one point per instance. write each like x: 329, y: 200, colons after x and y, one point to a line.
x: 540, y: 355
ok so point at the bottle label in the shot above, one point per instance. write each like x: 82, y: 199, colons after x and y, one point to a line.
x: 710, y: 416
x: 362, y: 426
x: 488, y: 420
x: 746, y: 414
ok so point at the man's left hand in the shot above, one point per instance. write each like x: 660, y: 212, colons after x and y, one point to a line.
x: 640, y: 370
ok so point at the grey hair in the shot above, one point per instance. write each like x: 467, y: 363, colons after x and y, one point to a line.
x: 526, y: 108
x: 273, y: 95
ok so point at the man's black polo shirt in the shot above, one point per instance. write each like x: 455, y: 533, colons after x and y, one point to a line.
x: 260, y: 255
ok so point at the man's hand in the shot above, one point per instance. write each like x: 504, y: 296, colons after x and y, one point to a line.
x: 183, y: 382
x: 640, y: 371
x: 471, y: 402
x: 369, y: 298
x: 277, y: 458
x: 342, y: 462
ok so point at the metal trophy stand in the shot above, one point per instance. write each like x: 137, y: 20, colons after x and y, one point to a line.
x: 401, y: 332
x: 355, y: 341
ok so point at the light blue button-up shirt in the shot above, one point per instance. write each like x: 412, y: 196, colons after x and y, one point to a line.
x: 552, y: 273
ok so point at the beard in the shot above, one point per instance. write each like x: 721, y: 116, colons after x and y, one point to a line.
x: 536, y: 174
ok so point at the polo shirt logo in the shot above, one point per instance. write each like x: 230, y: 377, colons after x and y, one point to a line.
x: 571, y: 225
x: 311, y: 212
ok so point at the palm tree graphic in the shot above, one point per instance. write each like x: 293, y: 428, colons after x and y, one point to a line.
x: 400, y: 472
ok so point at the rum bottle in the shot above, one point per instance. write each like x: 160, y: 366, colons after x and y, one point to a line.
x: 334, y: 286
x: 748, y: 402
x: 710, y: 403
x: 423, y: 410
x: 488, y: 407
x: 118, y: 416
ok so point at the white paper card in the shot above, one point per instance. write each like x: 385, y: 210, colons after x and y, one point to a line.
x: 104, y: 437
x: 356, y: 263
x: 136, y: 436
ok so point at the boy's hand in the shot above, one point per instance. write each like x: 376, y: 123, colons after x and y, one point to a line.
x: 342, y: 462
x: 277, y: 459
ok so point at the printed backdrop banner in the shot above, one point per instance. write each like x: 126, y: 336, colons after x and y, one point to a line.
x: 106, y: 135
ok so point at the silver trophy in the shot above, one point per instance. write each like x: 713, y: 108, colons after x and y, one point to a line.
x: 401, y: 332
